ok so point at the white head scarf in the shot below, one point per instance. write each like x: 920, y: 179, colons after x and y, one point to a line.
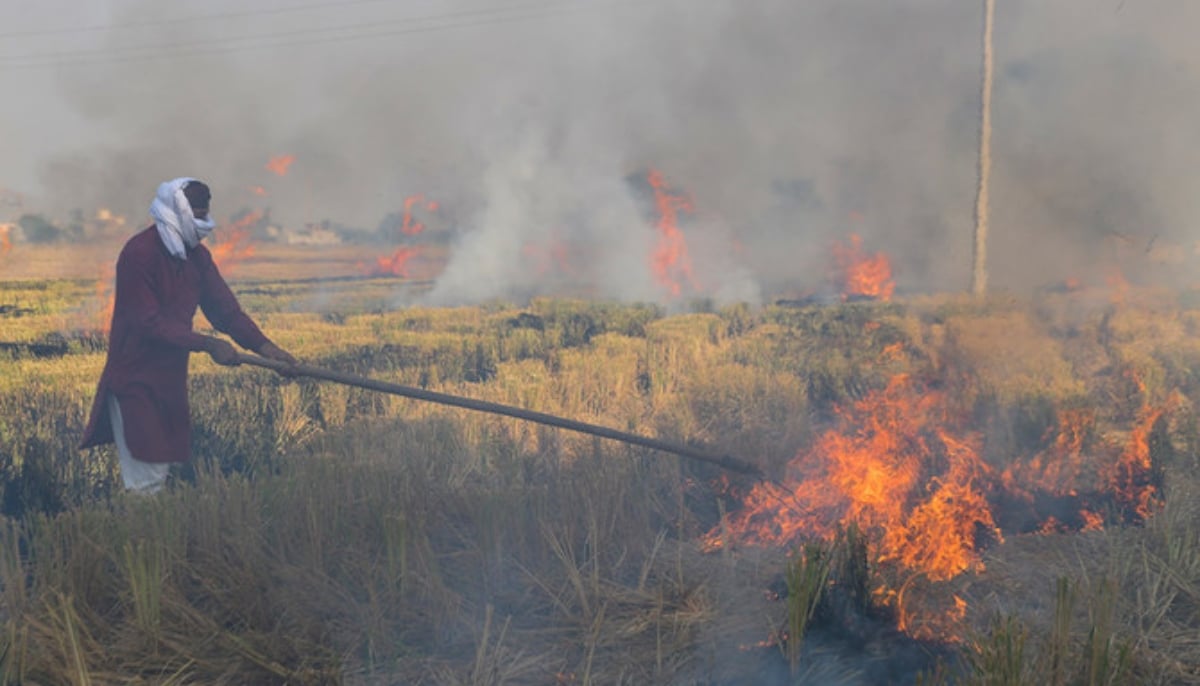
x: 172, y: 213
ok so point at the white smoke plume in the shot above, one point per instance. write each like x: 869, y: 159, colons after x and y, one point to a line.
x: 788, y: 124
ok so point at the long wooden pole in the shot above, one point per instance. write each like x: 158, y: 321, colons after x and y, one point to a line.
x: 723, y: 461
x: 979, y: 270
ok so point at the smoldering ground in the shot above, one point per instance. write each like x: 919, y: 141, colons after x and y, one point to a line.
x: 789, y: 125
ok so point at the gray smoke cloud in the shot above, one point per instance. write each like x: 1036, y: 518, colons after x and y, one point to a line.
x: 789, y: 125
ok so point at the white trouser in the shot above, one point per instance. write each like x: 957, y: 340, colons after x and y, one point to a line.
x: 139, y: 477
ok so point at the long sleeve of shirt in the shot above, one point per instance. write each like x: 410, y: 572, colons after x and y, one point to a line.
x: 221, y: 308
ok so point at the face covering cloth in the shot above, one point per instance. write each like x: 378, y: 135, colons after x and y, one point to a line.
x: 177, y: 226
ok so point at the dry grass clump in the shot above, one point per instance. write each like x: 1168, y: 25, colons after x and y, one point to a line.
x: 759, y: 414
x: 392, y: 558
x: 29, y: 310
x: 840, y: 353
x: 40, y: 426
x: 1156, y: 353
x: 1011, y: 355
x: 334, y: 535
x: 1115, y: 606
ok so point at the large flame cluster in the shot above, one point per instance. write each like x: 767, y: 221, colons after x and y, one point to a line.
x: 896, y: 467
x: 670, y: 263
x: 233, y: 242
x: 860, y: 274
x: 903, y: 465
x: 397, y: 263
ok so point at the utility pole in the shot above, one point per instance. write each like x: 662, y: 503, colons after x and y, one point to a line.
x: 979, y: 274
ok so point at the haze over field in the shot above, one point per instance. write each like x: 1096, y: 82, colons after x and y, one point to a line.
x: 789, y: 125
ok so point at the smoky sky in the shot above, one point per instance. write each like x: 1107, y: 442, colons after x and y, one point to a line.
x: 789, y: 125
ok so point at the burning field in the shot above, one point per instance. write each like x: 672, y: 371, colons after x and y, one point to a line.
x: 950, y: 491
x: 735, y: 230
x: 954, y: 491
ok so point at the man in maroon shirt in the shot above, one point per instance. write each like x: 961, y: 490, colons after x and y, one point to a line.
x: 163, y: 274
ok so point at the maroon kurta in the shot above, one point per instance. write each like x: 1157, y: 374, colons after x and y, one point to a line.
x: 150, y: 341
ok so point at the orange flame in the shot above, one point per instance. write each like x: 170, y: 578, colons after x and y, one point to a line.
x: 234, y: 244
x: 394, y: 265
x: 397, y: 264
x: 5, y: 240
x: 860, y: 274
x: 893, y: 468
x: 279, y: 164
x: 902, y: 466
x: 1133, y: 476
x: 932, y: 620
x: 259, y: 191
x: 669, y: 261
x: 105, y: 292
x: 409, y: 226
x: 1058, y: 470
x: 1092, y: 521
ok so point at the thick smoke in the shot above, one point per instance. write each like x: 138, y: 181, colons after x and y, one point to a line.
x: 789, y: 125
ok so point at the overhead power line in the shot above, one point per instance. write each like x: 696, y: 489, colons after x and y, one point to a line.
x: 225, y: 41
x: 96, y: 28
x: 316, y: 36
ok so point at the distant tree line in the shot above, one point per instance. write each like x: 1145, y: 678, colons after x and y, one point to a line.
x: 36, y: 228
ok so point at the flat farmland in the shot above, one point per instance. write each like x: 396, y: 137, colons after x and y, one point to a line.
x: 955, y: 491
x: 265, y: 261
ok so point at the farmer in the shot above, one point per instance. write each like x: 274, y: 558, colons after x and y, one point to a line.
x: 163, y: 273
